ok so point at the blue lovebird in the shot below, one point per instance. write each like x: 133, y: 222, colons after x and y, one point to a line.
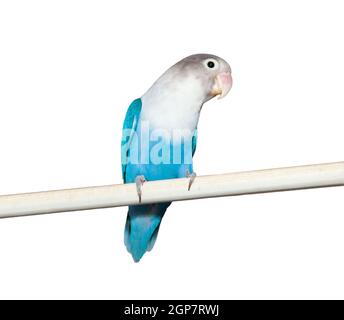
x: 160, y: 135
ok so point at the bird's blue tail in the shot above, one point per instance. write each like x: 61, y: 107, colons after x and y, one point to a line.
x: 142, y: 226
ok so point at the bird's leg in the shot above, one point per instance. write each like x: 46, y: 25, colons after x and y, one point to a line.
x: 191, y: 177
x: 139, y: 181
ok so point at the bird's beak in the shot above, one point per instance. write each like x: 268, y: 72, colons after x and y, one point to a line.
x: 222, y: 85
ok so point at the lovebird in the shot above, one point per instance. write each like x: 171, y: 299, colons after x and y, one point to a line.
x: 160, y: 135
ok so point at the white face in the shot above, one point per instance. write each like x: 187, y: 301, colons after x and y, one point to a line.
x: 213, y: 72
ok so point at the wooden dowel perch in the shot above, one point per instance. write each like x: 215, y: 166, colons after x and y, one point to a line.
x: 230, y: 184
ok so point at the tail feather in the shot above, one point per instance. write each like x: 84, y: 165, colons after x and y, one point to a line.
x: 141, y: 228
x: 152, y: 240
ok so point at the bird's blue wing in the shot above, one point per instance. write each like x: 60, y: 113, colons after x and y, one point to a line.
x: 194, y: 142
x: 130, y: 123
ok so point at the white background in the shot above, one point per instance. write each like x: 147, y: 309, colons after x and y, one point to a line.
x: 68, y: 71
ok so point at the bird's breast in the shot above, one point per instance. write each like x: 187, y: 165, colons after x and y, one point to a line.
x: 171, y: 115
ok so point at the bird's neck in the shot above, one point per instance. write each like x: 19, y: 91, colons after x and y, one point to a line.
x: 173, y: 105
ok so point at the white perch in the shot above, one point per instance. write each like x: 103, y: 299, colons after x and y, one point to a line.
x: 230, y: 184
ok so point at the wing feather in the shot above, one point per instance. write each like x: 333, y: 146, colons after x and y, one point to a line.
x: 130, y: 123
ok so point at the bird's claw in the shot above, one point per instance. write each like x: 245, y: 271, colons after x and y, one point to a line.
x: 139, y: 181
x: 191, y: 177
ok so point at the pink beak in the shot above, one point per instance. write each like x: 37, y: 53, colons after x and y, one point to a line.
x: 223, y: 84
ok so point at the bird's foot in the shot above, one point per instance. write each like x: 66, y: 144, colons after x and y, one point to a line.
x: 191, y: 177
x: 139, y: 181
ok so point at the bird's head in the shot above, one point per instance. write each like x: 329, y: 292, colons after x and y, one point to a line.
x: 176, y: 98
x: 211, y: 74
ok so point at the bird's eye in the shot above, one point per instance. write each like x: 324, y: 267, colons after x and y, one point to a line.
x: 211, y: 64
